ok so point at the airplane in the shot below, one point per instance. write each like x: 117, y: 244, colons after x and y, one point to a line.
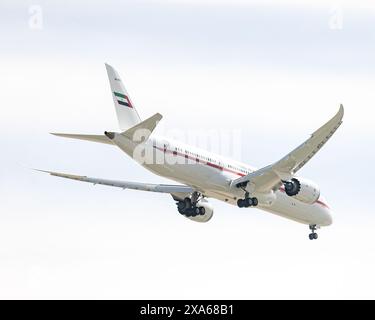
x: 202, y: 175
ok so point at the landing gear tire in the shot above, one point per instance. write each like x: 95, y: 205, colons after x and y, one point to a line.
x: 197, y: 211
x: 248, y: 202
x: 313, y: 236
x: 188, y: 213
x: 188, y: 206
x: 240, y: 203
x: 187, y: 203
x: 181, y: 206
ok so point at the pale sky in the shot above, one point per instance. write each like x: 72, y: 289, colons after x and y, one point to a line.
x: 274, y: 72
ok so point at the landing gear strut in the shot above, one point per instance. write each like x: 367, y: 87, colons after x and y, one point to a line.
x: 313, y: 235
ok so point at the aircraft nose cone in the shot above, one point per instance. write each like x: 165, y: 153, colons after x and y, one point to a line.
x: 328, y: 218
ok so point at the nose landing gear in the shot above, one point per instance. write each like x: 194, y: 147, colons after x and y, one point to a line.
x: 313, y: 235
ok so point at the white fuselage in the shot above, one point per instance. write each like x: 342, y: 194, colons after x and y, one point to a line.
x: 212, y: 175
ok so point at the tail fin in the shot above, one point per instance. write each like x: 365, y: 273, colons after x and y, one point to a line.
x: 127, y: 115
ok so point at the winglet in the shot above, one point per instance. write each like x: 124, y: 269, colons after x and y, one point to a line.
x: 62, y: 175
x: 335, y: 122
x: 49, y: 172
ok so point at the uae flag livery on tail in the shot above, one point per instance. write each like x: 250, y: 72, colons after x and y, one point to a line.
x: 123, y: 99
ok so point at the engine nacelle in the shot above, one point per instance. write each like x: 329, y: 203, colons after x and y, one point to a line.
x: 201, y: 212
x: 303, y: 190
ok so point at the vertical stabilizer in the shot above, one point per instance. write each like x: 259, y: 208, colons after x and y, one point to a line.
x: 127, y: 115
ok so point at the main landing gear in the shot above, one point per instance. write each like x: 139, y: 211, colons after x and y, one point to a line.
x: 247, y: 202
x: 188, y: 207
x: 313, y: 235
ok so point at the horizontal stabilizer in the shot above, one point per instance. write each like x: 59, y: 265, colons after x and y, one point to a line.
x: 143, y: 130
x: 87, y: 137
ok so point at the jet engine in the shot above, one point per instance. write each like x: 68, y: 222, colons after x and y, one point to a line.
x: 302, y: 189
x: 202, y: 211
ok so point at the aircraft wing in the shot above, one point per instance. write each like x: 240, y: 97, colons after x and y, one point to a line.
x: 271, y: 177
x: 177, y: 191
